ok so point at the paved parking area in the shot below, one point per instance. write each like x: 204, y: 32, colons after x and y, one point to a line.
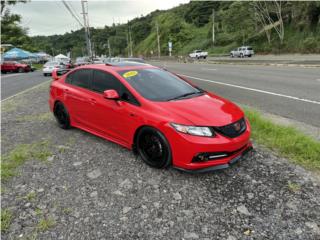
x: 89, y: 188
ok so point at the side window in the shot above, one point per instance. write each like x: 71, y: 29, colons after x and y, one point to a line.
x: 127, y: 96
x: 70, y: 77
x: 103, y: 81
x: 80, y: 78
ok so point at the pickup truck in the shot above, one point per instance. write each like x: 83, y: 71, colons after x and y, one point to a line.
x: 198, y: 54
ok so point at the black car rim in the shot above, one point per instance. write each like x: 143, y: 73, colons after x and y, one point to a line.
x: 61, y: 115
x: 152, y: 149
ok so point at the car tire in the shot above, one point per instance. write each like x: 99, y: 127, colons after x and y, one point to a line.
x: 62, y: 116
x: 241, y: 55
x: 231, y: 55
x: 4, y: 72
x: 45, y: 74
x: 20, y: 70
x: 153, y: 147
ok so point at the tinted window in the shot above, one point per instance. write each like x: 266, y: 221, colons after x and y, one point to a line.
x: 103, y: 81
x: 80, y: 78
x: 158, y: 85
x: 249, y: 48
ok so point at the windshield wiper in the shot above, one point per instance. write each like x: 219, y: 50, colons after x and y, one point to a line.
x: 184, y: 95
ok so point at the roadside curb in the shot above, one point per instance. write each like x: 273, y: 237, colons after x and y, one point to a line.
x: 243, y: 63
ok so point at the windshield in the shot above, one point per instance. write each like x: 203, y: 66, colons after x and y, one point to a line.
x: 159, y: 85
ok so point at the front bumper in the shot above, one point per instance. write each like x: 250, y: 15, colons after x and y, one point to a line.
x: 186, y: 147
x: 219, y: 167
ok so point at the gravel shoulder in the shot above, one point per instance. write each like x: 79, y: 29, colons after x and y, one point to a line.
x: 89, y: 188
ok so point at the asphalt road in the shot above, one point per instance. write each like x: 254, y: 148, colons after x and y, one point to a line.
x: 291, y: 92
x: 13, y: 83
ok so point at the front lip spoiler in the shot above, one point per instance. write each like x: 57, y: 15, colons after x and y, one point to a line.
x: 218, y: 167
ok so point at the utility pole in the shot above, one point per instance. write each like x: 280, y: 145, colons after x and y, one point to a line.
x: 86, y: 28
x: 158, y: 39
x: 109, y: 48
x: 213, y: 26
x: 128, y: 43
x: 130, y: 40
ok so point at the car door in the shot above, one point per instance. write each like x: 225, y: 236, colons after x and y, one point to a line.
x: 115, y: 118
x: 78, y: 97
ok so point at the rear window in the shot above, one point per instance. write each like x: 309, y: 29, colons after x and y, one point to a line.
x: 157, y: 85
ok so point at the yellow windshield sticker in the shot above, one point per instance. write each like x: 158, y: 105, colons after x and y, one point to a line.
x: 130, y: 74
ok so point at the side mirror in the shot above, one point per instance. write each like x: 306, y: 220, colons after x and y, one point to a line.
x: 55, y: 75
x: 111, y: 94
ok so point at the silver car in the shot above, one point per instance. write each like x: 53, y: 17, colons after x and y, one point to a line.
x: 50, y: 66
x: 244, y: 51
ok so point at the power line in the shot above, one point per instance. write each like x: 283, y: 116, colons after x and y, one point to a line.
x: 72, y: 13
x: 75, y: 12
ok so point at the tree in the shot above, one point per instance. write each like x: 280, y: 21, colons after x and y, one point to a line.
x: 11, y: 32
x: 269, y: 14
x: 5, y: 3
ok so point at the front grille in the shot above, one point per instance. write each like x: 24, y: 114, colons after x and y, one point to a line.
x: 234, y: 129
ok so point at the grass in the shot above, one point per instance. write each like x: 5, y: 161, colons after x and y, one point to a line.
x: 294, y: 187
x: 45, y: 224
x: 287, y: 141
x: 6, y: 218
x: 31, y: 196
x: 20, y: 154
x: 38, y: 66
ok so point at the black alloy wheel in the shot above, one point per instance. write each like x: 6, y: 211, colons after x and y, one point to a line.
x: 20, y: 70
x: 153, y: 148
x: 62, y: 116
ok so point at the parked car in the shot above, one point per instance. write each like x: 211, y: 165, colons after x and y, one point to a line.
x: 97, y: 61
x: 13, y: 66
x: 161, y: 116
x: 117, y: 59
x: 80, y: 61
x: 198, y: 54
x: 132, y: 59
x: 244, y: 51
x: 50, y: 66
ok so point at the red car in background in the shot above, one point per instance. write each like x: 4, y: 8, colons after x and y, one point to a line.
x: 163, y: 117
x: 13, y: 66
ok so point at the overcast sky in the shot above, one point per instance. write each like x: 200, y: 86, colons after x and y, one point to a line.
x: 51, y: 17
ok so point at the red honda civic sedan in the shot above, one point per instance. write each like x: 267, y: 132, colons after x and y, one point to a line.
x: 161, y: 116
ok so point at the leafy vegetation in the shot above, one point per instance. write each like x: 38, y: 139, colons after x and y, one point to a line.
x: 6, y: 218
x: 45, y: 224
x: 287, y: 141
x: 189, y: 27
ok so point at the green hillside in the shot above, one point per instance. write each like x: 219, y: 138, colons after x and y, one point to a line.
x: 189, y: 27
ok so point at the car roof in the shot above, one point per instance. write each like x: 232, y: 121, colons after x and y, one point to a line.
x: 118, y: 66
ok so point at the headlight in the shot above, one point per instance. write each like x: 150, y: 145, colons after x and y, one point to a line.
x: 193, y: 130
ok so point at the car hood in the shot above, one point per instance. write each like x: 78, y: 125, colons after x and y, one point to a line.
x: 205, y: 110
